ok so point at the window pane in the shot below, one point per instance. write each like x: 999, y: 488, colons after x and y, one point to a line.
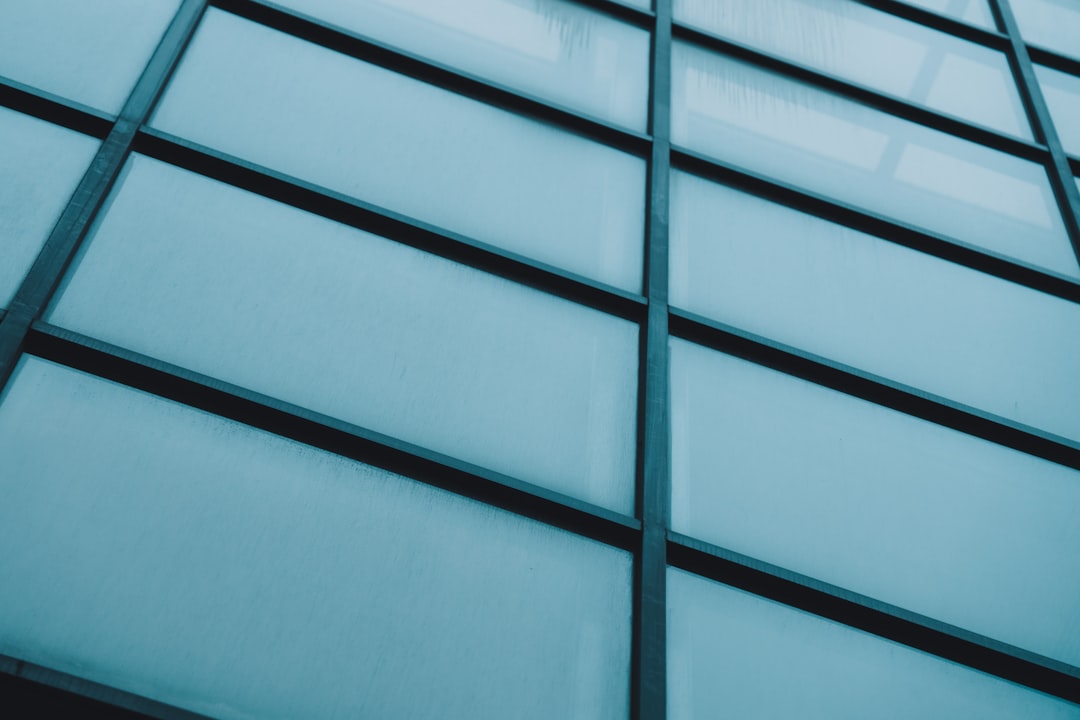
x: 882, y: 503
x: 1054, y: 24
x: 257, y: 293
x: 974, y: 12
x: 208, y: 565
x: 734, y: 655
x: 551, y: 48
x: 873, y: 48
x: 410, y: 147
x: 90, y: 52
x: 1062, y: 93
x: 40, y: 166
x: 878, y: 306
x: 797, y: 134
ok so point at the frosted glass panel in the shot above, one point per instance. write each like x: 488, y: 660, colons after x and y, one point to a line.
x: 734, y: 655
x: 293, y: 305
x: 411, y: 147
x: 873, y: 48
x: 40, y: 166
x: 1054, y: 24
x: 1062, y: 94
x: 885, y: 504
x: 208, y: 565
x: 868, y: 303
x: 550, y: 48
x: 836, y: 147
x: 974, y: 12
x: 90, y: 52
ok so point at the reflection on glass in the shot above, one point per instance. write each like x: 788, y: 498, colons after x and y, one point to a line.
x: 208, y: 565
x: 974, y: 12
x: 410, y: 147
x: 90, y: 52
x: 885, y: 504
x: 1062, y: 94
x: 873, y: 48
x: 1054, y: 24
x: 293, y: 305
x: 551, y: 48
x: 878, y: 306
x: 735, y: 655
x: 836, y: 147
x: 40, y: 166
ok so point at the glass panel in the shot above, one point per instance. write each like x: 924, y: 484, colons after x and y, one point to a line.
x: 410, y: 147
x: 885, y: 504
x: 873, y: 48
x: 551, y: 48
x: 734, y: 655
x: 1054, y: 24
x: 40, y: 167
x: 215, y: 567
x: 974, y: 12
x: 875, y: 305
x: 90, y: 52
x: 1062, y: 93
x: 798, y: 134
x: 260, y: 294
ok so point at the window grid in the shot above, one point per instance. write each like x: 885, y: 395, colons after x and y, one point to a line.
x: 647, y: 535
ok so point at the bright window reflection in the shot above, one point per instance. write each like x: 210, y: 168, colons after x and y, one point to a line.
x: 974, y: 12
x: 1055, y: 24
x: 1062, y: 94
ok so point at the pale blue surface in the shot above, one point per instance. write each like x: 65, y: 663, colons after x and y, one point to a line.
x: 1062, y: 94
x: 40, y: 167
x: 885, y: 504
x: 734, y: 655
x: 839, y: 148
x: 875, y: 305
x: 236, y: 286
x: 411, y: 147
x: 974, y: 12
x: 1054, y: 24
x: 873, y: 48
x: 551, y: 48
x: 90, y: 51
x: 208, y: 565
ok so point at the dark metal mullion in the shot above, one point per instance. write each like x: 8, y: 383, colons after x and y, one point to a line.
x: 443, y: 76
x: 944, y: 23
x: 882, y: 227
x: 1061, y: 177
x: 891, y: 104
x: 1055, y: 60
x: 54, y: 109
x: 876, y: 617
x: 38, y: 286
x: 649, y: 699
x: 874, y: 388
x: 312, y: 428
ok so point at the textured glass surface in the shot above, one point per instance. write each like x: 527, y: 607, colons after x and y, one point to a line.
x: 550, y: 48
x: 882, y: 503
x: 836, y: 147
x: 975, y: 12
x: 410, y: 147
x: 212, y: 566
x: 260, y: 294
x: 40, y: 166
x: 873, y: 48
x: 90, y: 52
x: 1054, y: 24
x: 881, y: 307
x: 1062, y: 94
x: 734, y: 655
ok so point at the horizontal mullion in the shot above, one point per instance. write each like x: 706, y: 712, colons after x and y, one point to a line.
x: 443, y: 76
x: 874, y: 388
x: 54, y: 108
x: 385, y: 223
x: 876, y: 617
x: 880, y: 226
x: 1064, y: 63
x: 621, y: 11
x: 891, y: 104
x: 330, y: 434
x: 973, y: 33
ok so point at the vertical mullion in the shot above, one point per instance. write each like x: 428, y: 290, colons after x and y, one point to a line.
x: 650, y: 631
x: 1061, y: 177
x: 44, y: 277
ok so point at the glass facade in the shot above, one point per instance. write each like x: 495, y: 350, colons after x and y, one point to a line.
x: 540, y: 358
